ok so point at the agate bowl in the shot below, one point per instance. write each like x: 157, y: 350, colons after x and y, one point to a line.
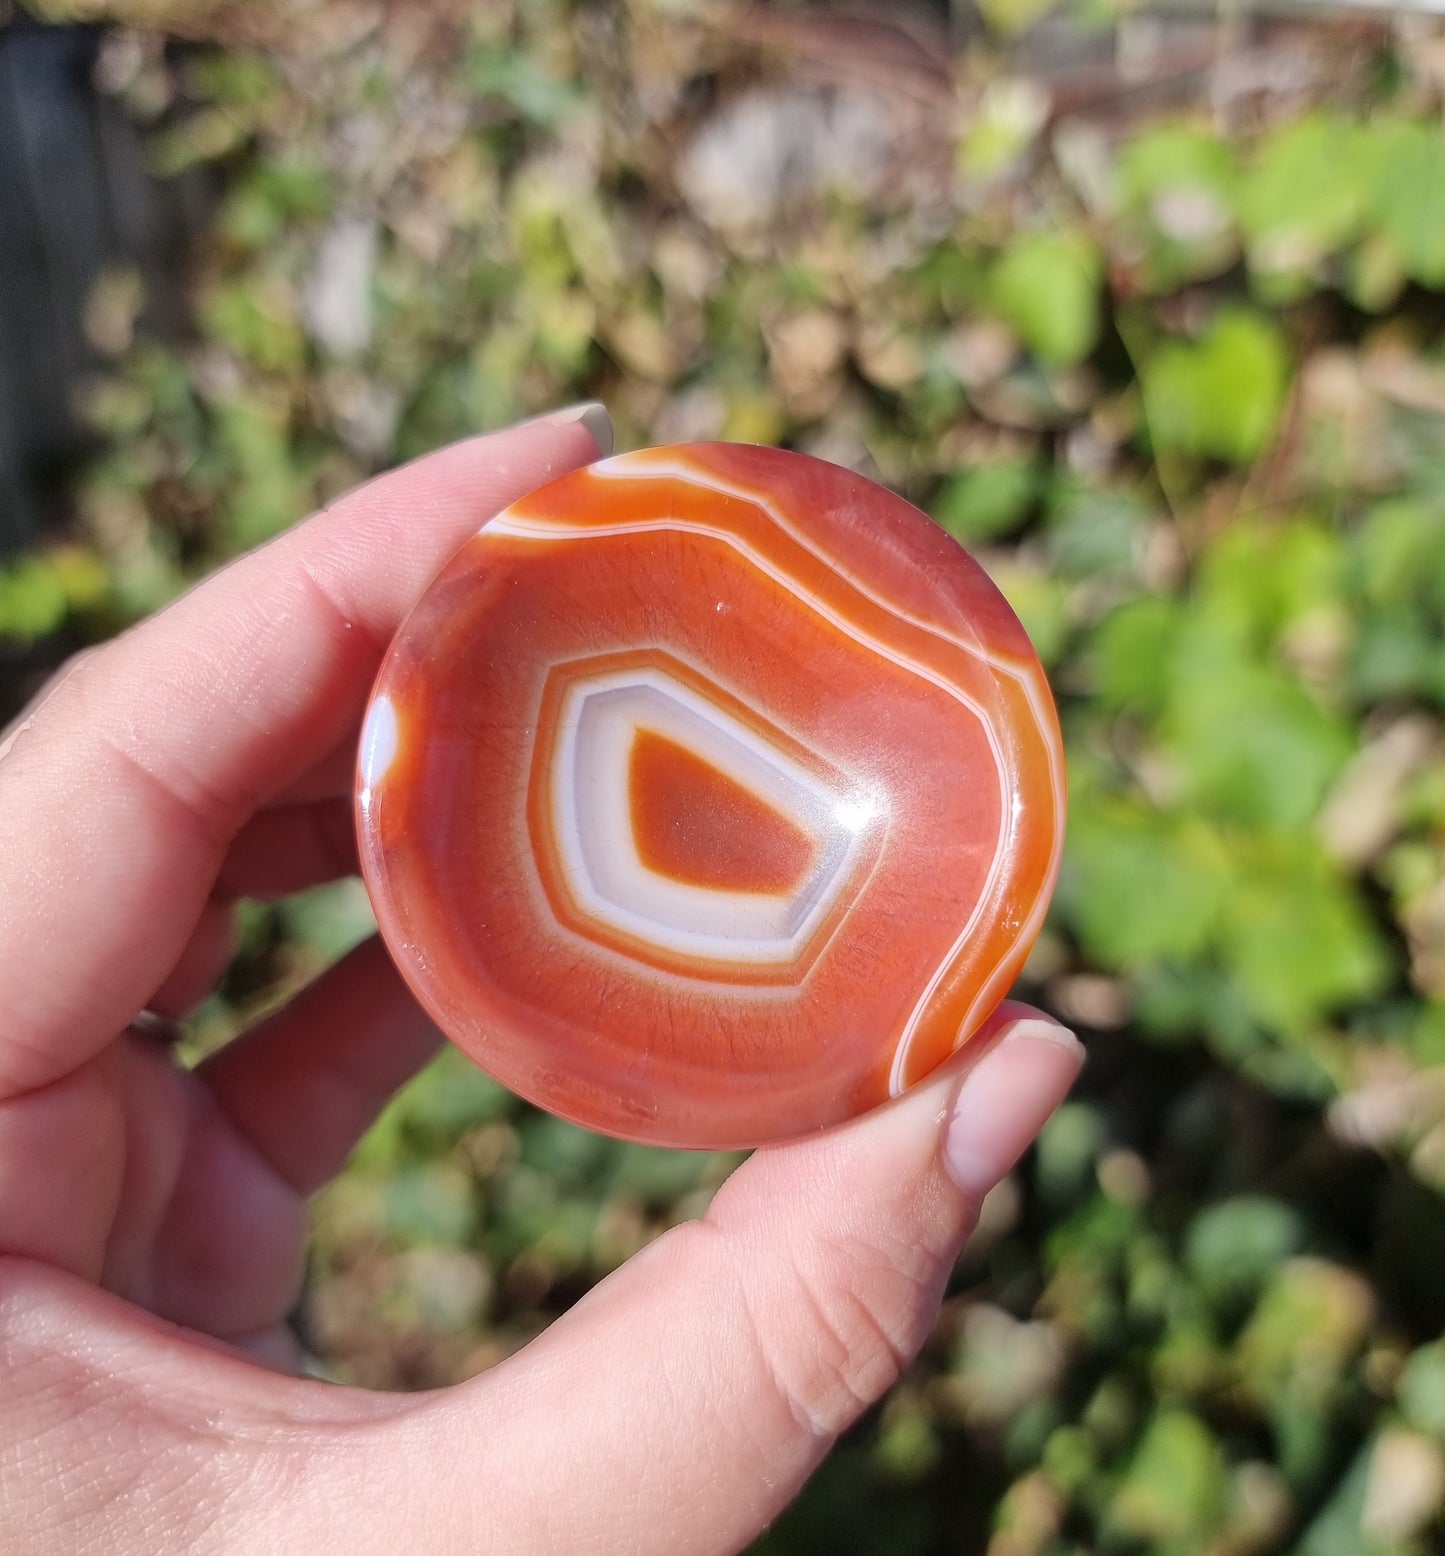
x: 711, y: 795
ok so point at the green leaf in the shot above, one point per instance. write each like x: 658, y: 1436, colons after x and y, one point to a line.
x: 1338, y: 1529
x: 32, y: 600
x: 1177, y: 187
x: 430, y: 1202
x: 908, y: 1445
x: 1250, y: 743
x: 265, y: 489
x: 513, y: 77
x: 1138, y: 886
x: 1067, y: 1152
x: 1304, y: 1333
x: 566, y: 1154
x: 1263, y: 576
x: 1233, y: 1248
x: 331, y: 919
x: 1395, y: 654
x: 1374, y: 274
x: 989, y: 500
x: 451, y: 1095
x: 1296, y: 938
x: 1220, y: 397
x: 660, y: 1176
x: 1306, y: 194
x: 1408, y: 196
x: 1047, y: 287
x: 1167, y: 158
x: 1176, y: 1002
x: 1401, y: 553
x: 1132, y: 652
x: 269, y: 197
x: 1422, y: 1388
x: 1092, y: 530
x: 258, y: 323
x: 1174, y: 1490
x: 241, y: 81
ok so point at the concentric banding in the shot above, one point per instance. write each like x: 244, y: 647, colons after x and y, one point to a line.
x: 588, y: 774
x: 711, y: 795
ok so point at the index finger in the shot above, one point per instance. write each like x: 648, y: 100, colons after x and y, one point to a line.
x: 121, y: 792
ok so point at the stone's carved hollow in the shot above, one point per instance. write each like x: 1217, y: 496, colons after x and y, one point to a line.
x: 710, y: 796
x: 692, y: 823
x: 678, y: 834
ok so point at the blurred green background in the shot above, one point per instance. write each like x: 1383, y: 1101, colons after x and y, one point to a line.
x: 1146, y: 308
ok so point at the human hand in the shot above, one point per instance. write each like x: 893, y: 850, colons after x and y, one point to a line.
x: 152, y: 1219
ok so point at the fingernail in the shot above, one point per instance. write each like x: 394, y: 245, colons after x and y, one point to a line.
x: 1005, y: 1099
x: 593, y: 416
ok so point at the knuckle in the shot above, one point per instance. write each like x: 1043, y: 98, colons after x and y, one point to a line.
x: 850, y: 1317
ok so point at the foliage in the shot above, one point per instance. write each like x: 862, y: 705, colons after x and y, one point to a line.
x: 1178, y: 376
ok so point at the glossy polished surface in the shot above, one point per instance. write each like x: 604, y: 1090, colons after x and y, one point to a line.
x: 710, y: 796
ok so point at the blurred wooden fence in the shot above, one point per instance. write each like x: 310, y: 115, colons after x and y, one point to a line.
x: 74, y: 199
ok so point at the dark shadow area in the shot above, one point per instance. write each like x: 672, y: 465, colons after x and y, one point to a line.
x: 75, y: 199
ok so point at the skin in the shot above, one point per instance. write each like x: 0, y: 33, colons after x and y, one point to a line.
x: 152, y: 1219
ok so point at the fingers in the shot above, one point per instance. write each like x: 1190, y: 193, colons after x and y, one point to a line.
x: 10, y: 731
x: 61, y: 1214
x: 198, y: 970
x: 121, y: 792
x: 690, y: 1395
x: 333, y: 776
x: 205, y: 1223
x: 289, y: 848
x: 228, y: 1255
x: 303, y: 1086
x: 297, y: 1092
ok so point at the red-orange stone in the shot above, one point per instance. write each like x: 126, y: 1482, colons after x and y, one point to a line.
x: 710, y: 796
x: 694, y: 824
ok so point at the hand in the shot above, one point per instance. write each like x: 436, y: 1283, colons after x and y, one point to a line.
x: 152, y: 1219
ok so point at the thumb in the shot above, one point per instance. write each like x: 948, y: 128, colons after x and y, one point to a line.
x: 684, y: 1402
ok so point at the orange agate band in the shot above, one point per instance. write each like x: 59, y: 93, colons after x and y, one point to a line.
x: 711, y: 795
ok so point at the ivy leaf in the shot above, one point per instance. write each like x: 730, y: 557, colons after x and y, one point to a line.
x: 1234, y: 1247
x: 1174, y: 1491
x: 1219, y: 397
x: 1409, y: 196
x: 989, y: 500
x: 1306, y: 195
x: 1047, y: 288
x: 1138, y: 886
x: 1296, y: 937
x: 1251, y: 745
x: 1132, y: 653
x: 1178, y: 189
